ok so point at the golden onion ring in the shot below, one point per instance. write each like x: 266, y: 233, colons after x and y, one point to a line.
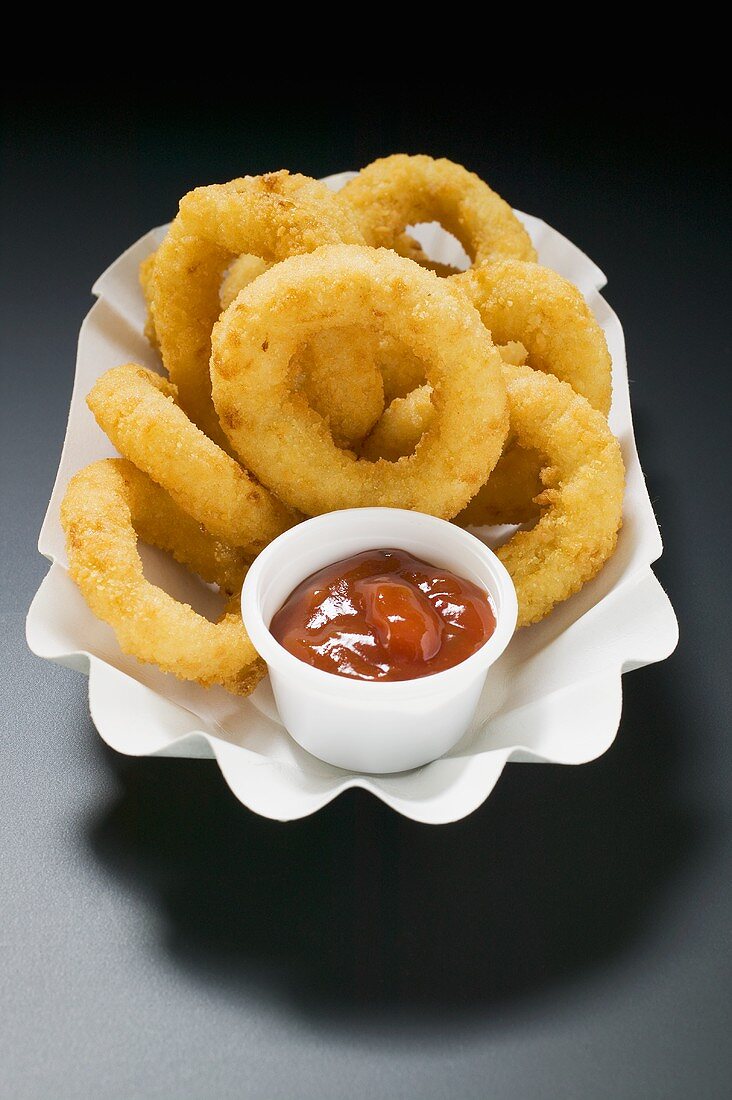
x: 582, y: 504
x: 137, y: 410
x: 397, y: 191
x: 106, y: 507
x: 549, y: 316
x: 289, y: 447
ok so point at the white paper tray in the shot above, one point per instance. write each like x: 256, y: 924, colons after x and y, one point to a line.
x: 554, y: 696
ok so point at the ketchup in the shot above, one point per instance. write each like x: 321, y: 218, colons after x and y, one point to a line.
x: 384, y: 615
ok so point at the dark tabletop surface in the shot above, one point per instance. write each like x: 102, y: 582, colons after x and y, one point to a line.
x: 569, y: 940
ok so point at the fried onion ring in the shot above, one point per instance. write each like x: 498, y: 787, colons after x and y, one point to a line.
x: 582, y: 507
x: 137, y: 410
x: 400, y: 190
x: 510, y: 492
x: 526, y: 302
x: 271, y: 216
x: 106, y: 506
x: 401, y: 427
x: 335, y: 371
x: 530, y: 303
x: 289, y: 447
x: 241, y: 272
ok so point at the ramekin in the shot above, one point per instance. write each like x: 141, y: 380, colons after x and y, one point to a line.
x: 361, y: 725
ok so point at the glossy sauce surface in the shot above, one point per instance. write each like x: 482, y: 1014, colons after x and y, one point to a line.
x: 384, y: 615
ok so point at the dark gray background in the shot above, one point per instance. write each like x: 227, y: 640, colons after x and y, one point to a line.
x: 572, y: 937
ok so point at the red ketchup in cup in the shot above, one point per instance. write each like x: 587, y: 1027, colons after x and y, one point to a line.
x: 384, y: 615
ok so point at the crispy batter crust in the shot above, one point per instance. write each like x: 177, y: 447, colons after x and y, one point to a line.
x: 526, y: 302
x: 145, y: 273
x: 530, y: 303
x: 400, y: 190
x: 271, y: 216
x: 137, y: 409
x: 242, y: 271
x: 106, y: 506
x: 290, y: 448
x: 508, y: 495
x: 405, y: 420
x: 582, y: 513
x: 400, y: 429
x: 336, y: 371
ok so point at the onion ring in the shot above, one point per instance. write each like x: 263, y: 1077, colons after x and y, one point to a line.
x: 350, y: 408
x: 137, y: 410
x: 241, y: 272
x: 289, y: 447
x: 532, y: 304
x: 508, y: 495
x: 523, y: 481
x: 401, y: 427
x: 106, y: 506
x: 400, y: 190
x: 337, y: 373
x: 583, y: 501
x: 272, y: 216
x: 549, y: 316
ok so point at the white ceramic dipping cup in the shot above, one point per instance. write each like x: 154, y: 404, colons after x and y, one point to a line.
x: 358, y: 724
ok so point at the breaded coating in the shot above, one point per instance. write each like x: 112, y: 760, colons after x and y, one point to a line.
x: 549, y: 316
x: 106, y: 507
x: 397, y: 191
x: 582, y: 510
x: 137, y: 409
x: 290, y: 448
x: 272, y: 216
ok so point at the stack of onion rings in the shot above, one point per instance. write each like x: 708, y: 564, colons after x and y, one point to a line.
x: 317, y: 361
